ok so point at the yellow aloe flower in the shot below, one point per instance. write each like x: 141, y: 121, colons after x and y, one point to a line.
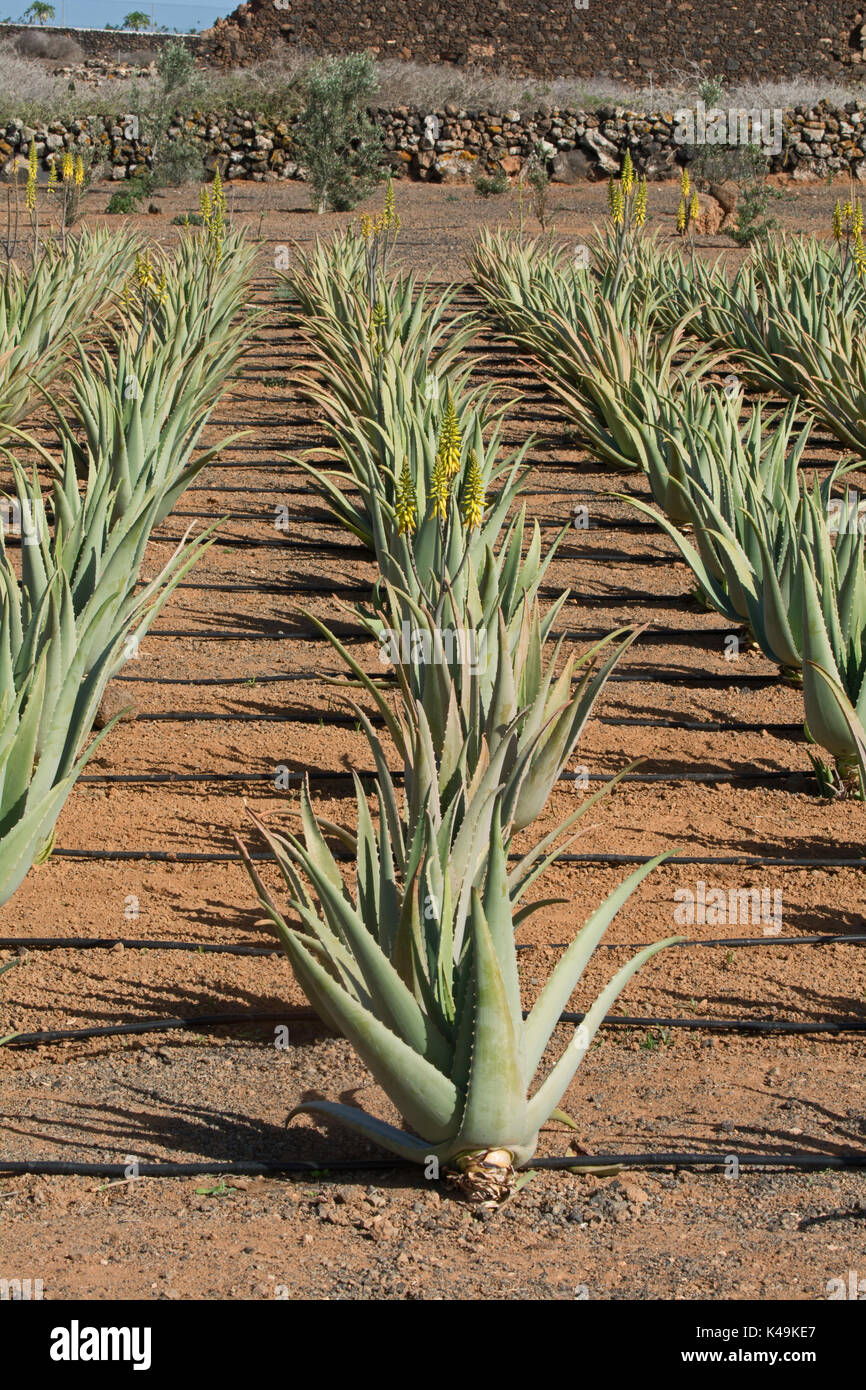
x: 837, y: 221
x: 611, y: 194
x: 685, y: 184
x: 52, y: 175
x: 858, y: 251
x: 627, y: 175
x: 79, y: 171
x: 379, y: 315
x: 440, y: 487
x: 694, y: 209
x: 390, y: 204
x: 847, y: 210
x: 473, y: 494
x: 618, y: 205
x: 640, y: 204
x: 857, y: 220
x: 144, y: 271
x: 406, y: 503
x: 682, y: 216
x: 32, y: 170
x: 450, y: 442
x: 366, y: 226
x: 67, y: 167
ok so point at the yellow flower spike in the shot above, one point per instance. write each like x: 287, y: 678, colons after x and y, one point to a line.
x: 694, y: 208
x: 204, y: 203
x: 32, y: 170
x: 627, y: 175
x: 390, y: 205
x: 52, y: 175
x: 406, y: 502
x: 857, y: 220
x: 847, y: 213
x: 366, y: 226
x: 685, y: 184
x: 144, y: 271
x: 640, y: 204
x: 837, y: 221
x: 67, y: 168
x: 440, y: 488
x: 473, y: 495
x: 379, y: 316
x: 450, y: 443
x: 611, y: 194
x: 858, y: 251
x: 618, y: 205
x: 79, y: 171
x: 682, y: 216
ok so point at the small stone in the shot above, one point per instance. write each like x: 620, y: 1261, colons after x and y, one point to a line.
x: 115, y: 703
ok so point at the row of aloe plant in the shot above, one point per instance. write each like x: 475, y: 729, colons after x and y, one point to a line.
x: 618, y: 328
x: 414, y: 961
x: 64, y: 297
x: 774, y: 552
x: 74, y: 608
x: 764, y: 549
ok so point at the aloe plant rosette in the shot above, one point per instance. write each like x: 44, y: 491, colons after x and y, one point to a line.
x: 431, y: 1000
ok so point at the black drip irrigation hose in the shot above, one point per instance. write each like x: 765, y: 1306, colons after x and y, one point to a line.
x: 332, y: 718
x: 319, y: 1168
x: 834, y: 1027
x: 699, y: 680
x: 162, y: 779
x: 241, y: 948
x: 168, y: 856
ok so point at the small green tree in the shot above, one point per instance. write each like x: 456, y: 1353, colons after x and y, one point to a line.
x: 173, y: 161
x: 337, y: 141
x: 38, y: 13
x: 138, y: 21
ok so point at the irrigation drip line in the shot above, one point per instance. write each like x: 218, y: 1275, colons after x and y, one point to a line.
x: 330, y: 718
x: 251, y: 1168
x: 697, y: 681
x: 267, y: 518
x: 756, y: 861
x: 107, y: 943
x: 652, y: 636
x: 181, y: 778
x: 194, y: 1024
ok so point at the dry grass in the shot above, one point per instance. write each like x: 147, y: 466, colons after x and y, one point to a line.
x: 29, y: 90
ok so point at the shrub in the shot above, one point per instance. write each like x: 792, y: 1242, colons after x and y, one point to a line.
x: 127, y: 198
x: 492, y: 185
x: 337, y: 141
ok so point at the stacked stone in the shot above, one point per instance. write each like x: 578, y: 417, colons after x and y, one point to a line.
x: 450, y: 144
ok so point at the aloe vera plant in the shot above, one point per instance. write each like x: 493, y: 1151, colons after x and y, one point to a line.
x: 739, y: 486
x: 419, y: 972
x: 76, y: 613
x: 64, y: 295
x: 418, y: 470
x: 510, y: 711
x: 833, y: 595
x: 57, y: 653
x: 603, y: 355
